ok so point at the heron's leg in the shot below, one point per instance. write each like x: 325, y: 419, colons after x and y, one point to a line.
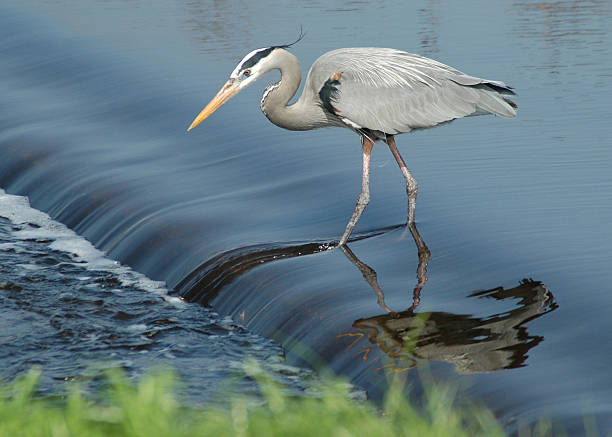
x: 364, y: 196
x: 411, y: 184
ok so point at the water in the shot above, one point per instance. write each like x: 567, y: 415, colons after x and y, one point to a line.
x: 239, y: 214
x: 74, y: 313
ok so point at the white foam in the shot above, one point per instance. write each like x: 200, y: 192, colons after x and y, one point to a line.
x: 12, y: 246
x: 37, y: 225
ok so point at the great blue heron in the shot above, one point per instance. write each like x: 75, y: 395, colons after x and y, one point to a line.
x: 375, y: 92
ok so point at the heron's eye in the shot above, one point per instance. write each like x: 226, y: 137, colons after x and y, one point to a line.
x: 246, y: 73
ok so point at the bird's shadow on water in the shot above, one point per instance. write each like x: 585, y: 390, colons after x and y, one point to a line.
x: 473, y: 344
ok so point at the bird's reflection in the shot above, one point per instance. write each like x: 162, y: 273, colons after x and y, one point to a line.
x: 472, y: 344
x: 370, y: 276
x: 205, y: 282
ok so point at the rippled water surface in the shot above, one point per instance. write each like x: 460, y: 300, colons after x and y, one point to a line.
x: 512, y: 297
x: 74, y: 313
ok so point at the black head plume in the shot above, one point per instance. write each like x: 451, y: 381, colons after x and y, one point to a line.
x: 286, y: 46
x: 255, y: 56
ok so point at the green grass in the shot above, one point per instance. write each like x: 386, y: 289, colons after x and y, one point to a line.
x: 150, y: 408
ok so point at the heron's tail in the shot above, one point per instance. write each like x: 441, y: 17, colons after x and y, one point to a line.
x: 493, y: 100
x: 492, y: 96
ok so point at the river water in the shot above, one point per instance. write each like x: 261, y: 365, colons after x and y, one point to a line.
x: 513, y: 302
x: 74, y: 313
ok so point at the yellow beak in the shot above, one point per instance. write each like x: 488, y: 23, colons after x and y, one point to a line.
x: 225, y: 93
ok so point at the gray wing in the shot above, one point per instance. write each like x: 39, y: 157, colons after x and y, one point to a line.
x: 392, y: 91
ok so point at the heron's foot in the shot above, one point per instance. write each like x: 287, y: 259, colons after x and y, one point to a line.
x: 358, y: 335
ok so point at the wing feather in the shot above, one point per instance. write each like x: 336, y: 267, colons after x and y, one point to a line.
x: 392, y: 91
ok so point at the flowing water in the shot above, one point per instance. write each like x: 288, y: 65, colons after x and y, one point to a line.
x: 74, y: 313
x: 511, y: 300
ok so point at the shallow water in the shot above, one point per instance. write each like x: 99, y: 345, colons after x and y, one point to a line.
x: 239, y: 214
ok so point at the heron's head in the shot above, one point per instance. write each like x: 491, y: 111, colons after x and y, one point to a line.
x: 252, y: 67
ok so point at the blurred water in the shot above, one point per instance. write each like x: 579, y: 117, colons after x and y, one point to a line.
x: 96, y: 99
x: 75, y: 313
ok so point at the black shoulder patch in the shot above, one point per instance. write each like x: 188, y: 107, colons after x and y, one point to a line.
x: 329, y: 92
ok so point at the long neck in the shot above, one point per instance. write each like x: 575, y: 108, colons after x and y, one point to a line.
x: 303, y: 114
